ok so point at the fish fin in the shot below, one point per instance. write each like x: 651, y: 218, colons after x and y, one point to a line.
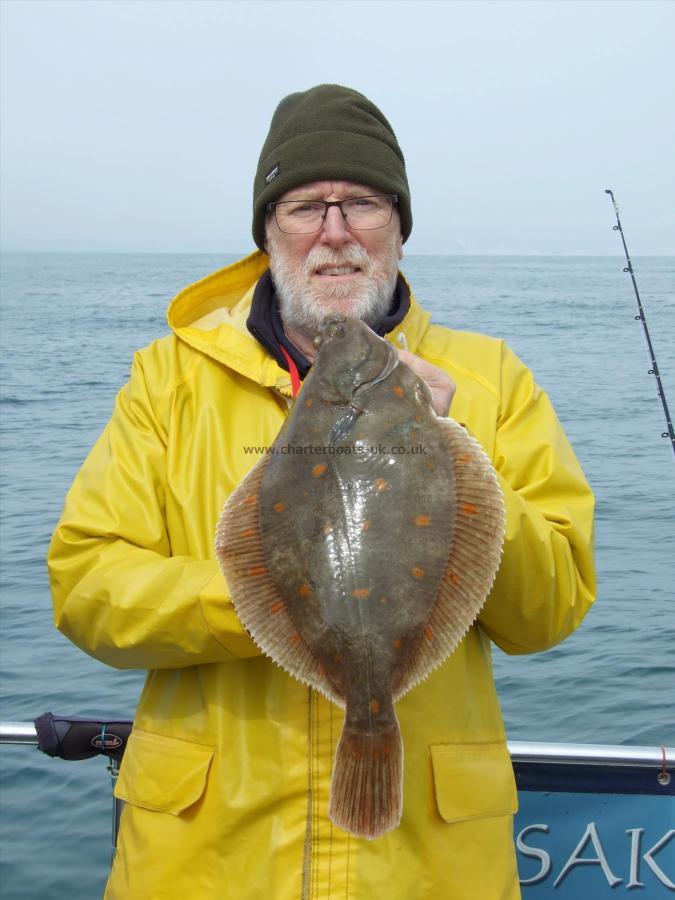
x: 366, y: 793
x: 256, y: 599
x: 473, y: 561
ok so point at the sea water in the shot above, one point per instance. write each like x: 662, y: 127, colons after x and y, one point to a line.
x: 69, y: 326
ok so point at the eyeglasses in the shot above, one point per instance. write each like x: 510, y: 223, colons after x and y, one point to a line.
x: 307, y: 216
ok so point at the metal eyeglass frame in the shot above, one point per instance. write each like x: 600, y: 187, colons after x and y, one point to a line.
x: 272, y: 207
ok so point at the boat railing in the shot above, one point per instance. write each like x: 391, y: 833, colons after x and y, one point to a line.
x: 657, y: 761
x: 18, y: 733
x: 520, y: 751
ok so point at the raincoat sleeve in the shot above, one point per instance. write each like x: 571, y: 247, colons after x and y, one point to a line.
x: 118, y: 592
x: 546, y: 581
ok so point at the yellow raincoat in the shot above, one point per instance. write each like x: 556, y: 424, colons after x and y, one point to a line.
x: 227, y: 772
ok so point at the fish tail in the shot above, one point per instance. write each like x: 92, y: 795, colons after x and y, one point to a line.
x: 367, y: 786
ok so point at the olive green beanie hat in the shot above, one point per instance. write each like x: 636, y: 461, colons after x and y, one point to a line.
x: 329, y: 132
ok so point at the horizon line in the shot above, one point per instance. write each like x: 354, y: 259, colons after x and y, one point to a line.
x: 242, y: 253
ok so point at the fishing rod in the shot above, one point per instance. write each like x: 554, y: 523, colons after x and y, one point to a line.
x: 641, y: 317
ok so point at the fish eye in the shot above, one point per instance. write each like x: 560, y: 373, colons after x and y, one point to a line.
x: 317, y: 341
x: 336, y: 329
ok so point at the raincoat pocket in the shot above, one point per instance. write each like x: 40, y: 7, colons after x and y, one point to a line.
x: 473, y: 781
x: 163, y: 773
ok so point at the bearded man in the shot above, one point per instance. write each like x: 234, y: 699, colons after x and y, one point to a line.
x: 226, y: 776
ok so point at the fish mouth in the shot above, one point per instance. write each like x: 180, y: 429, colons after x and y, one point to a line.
x: 332, y: 326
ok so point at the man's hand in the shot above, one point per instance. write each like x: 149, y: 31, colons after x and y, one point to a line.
x: 440, y: 384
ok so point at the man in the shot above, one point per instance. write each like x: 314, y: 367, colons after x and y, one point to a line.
x: 227, y: 773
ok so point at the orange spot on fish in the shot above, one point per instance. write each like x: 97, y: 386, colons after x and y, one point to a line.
x: 295, y: 637
x: 319, y: 470
x: 398, y: 643
x: 374, y: 707
x: 428, y: 633
x: 361, y: 593
x: 469, y: 509
x: 304, y: 591
x: 418, y: 418
x: 422, y: 521
x: 381, y: 485
x: 279, y: 507
x: 464, y: 458
x: 417, y: 572
x: 257, y: 570
x: 453, y: 578
x: 337, y: 658
x: 308, y: 402
x: 366, y: 525
x: 430, y: 466
x: 250, y: 500
x: 277, y: 607
x: 248, y: 532
x: 399, y: 391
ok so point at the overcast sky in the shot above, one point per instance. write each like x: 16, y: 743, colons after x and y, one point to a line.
x: 137, y: 125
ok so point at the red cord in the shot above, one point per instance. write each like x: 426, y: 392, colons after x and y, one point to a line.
x: 293, y: 369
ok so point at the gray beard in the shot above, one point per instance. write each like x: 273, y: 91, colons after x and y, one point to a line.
x: 304, y: 306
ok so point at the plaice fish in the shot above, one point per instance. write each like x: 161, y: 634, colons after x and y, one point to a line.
x: 360, y: 550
